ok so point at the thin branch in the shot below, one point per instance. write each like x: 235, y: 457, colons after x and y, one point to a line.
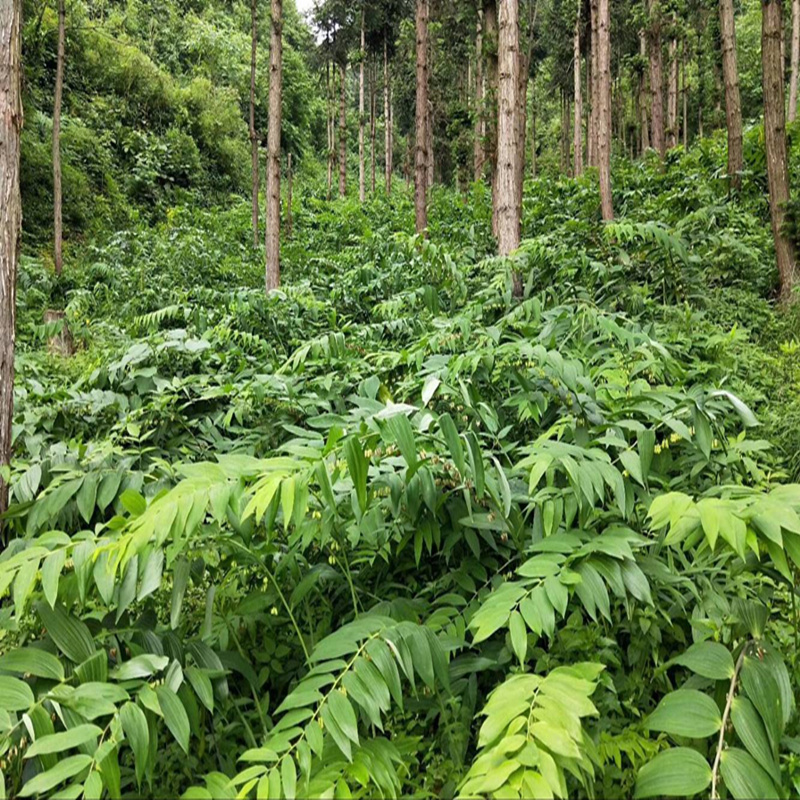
x: 725, y: 715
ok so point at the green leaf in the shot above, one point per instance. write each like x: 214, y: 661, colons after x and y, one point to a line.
x: 58, y: 742
x: 15, y: 695
x: 142, y: 666
x: 51, y: 573
x: 70, y: 635
x: 134, y: 724
x: 519, y: 636
x: 289, y: 778
x: 358, y: 467
x: 762, y: 689
x: 678, y: 772
x: 709, y: 659
x: 48, y: 780
x: 744, y: 778
x: 133, y: 502
x: 686, y: 712
x: 450, y: 433
x: 750, y: 730
x: 87, y: 496
x: 180, y: 579
x: 201, y: 684
x: 174, y: 715
x: 403, y: 434
x: 632, y: 462
x: 33, y: 661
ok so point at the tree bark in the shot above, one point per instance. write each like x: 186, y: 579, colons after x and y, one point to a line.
x: 656, y: 78
x: 795, y: 60
x: 331, y: 140
x: 362, y: 164
x: 289, y: 182
x: 644, y: 130
x: 577, y: 132
x: 10, y: 217
x: 522, y: 123
x: 591, y: 146
x: 733, y: 108
x: 387, y: 119
x: 253, y: 136
x: 273, y: 235
x: 372, y: 123
x: 672, y: 95
x: 508, y: 208
x: 480, y: 89
x: 342, y: 129
x: 775, y: 140
x: 58, y: 256
x: 490, y: 36
x: 533, y: 129
x: 421, y: 132
x: 685, y: 93
x: 604, y: 106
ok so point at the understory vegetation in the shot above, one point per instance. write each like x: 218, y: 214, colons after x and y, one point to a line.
x: 391, y: 530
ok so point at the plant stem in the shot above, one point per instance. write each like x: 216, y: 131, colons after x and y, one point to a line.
x: 725, y: 715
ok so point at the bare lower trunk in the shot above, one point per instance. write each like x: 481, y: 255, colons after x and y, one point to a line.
x: 372, y: 124
x: 362, y: 165
x: 644, y: 129
x: 685, y: 92
x: 273, y: 236
x: 533, y: 129
x: 58, y: 257
x: 342, y: 129
x: 508, y: 209
x: 331, y: 139
x: 733, y: 108
x: 795, y: 67
x: 480, y: 119
x: 387, y: 120
x: 672, y: 95
x: 490, y: 34
x: 421, y: 132
x: 289, y: 182
x: 577, y: 126
x: 604, y: 106
x: 522, y: 124
x: 10, y: 218
x: 591, y: 146
x: 656, y: 78
x: 253, y: 137
x: 775, y: 140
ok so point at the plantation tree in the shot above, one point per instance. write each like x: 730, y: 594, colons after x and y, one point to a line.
x: 10, y: 219
x: 733, y: 107
x: 480, y: 93
x: 604, y: 106
x: 59, y: 88
x: 775, y: 141
x: 672, y: 92
x: 507, y: 208
x: 362, y: 168
x: 253, y: 136
x: 795, y: 62
x: 656, y: 77
x: 273, y: 235
x: 421, y: 116
x: 577, y: 128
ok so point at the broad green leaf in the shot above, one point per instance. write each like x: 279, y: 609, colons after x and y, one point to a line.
x: 750, y: 730
x: 15, y: 695
x: 174, y: 715
x: 677, y: 772
x: 58, y: 742
x: 709, y: 659
x: 744, y: 778
x: 134, y: 724
x: 180, y: 579
x: 519, y: 636
x: 70, y: 634
x: 357, y: 466
x: 63, y: 770
x: 142, y: 666
x: 686, y: 712
x: 33, y: 661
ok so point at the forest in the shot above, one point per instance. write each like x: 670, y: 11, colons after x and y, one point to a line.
x: 399, y: 398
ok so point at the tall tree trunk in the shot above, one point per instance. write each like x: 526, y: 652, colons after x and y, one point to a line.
x: 331, y: 140
x: 273, y: 235
x: 644, y: 130
x: 733, y: 108
x: 656, y: 78
x: 533, y: 128
x: 289, y: 182
x: 362, y: 165
x: 795, y: 60
x: 672, y: 95
x: 592, y: 86
x: 522, y: 124
x: 372, y: 122
x: 10, y: 217
x: 490, y: 36
x: 685, y: 93
x: 577, y: 127
x: 421, y: 132
x: 480, y: 88
x: 253, y: 136
x: 701, y: 84
x: 775, y: 140
x: 508, y: 209
x: 57, y: 222
x: 342, y: 129
x: 604, y: 106
x: 431, y: 165
x: 387, y: 119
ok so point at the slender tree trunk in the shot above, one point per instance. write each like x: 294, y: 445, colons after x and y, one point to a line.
x: 508, y: 209
x: 57, y: 221
x: 421, y: 132
x: 362, y: 165
x: 533, y: 128
x: 331, y: 141
x: 342, y: 129
x: 273, y: 235
x: 480, y: 88
x: 490, y: 34
x: 372, y: 123
x: 604, y: 106
x: 701, y: 84
x: 733, y: 108
x: 656, y: 78
x: 289, y: 181
x: 387, y: 119
x: 253, y: 136
x: 644, y: 129
x: 795, y: 60
x: 522, y: 124
x: 775, y: 140
x: 685, y: 92
x: 593, y: 103
x: 672, y: 95
x: 10, y: 217
x: 577, y: 127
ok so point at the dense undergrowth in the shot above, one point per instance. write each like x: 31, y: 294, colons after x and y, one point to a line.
x: 391, y: 531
